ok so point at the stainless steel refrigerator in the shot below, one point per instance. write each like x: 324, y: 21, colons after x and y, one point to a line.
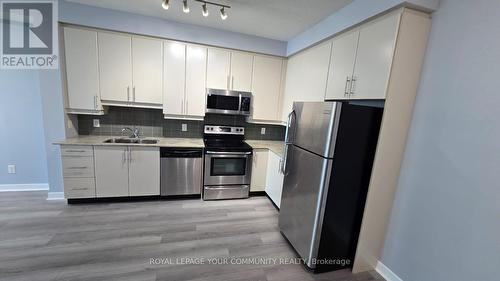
x: 329, y: 152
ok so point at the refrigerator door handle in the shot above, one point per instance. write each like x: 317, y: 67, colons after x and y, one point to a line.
x: 287, y: 141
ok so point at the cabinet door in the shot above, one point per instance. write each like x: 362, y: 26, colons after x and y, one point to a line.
x: 82, y: 73
x: 111, y: 171
x: 241, y: 71
x: 266, y: 86
x: 174, y: 80
x: 218, y: 64
x: 147, y: 70
x: 306, y: 76
x: 196, y: 70
x: 274, y: 182
x: 115, y: 66
x: 374, y: 58
x: 259, y: 170
x: 341, y: 66
x: 144, y: 171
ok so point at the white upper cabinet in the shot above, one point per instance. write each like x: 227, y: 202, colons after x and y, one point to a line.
x: 306, y: 76
x: 196, y: 73
x: 218, y: 68
x: 174, y: 78
x: 185, y: 80
x: 147, y: 70
x: 115, y: 66
x: 342, y: 65
x: 241, y: 71
x: 228, y: 70
x: 266, y: 87
x: 82, y: 69
x: 377, y: 41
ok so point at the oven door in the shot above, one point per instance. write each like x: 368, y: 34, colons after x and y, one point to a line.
x: 227, y: 168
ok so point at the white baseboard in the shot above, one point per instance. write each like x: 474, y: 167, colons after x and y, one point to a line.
x: 24, y: 187
x: 386, y: 272
x: 55, y: 196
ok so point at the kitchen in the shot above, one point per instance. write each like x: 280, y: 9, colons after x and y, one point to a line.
x: 224, y: 93
x: 185, y: 143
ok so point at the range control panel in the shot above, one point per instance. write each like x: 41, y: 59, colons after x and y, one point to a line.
x: 224, y: 130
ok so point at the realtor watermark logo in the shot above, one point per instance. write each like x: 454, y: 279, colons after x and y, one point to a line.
x: 29, y: 34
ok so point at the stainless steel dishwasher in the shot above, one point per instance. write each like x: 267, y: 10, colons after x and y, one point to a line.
x: 181, y: 171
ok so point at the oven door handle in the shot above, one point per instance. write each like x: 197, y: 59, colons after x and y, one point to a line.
x: 229, y: 153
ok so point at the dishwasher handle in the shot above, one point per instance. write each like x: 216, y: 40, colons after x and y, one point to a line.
x: 181, y: 153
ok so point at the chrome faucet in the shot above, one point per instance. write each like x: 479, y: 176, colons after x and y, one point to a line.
x: 135, y: 132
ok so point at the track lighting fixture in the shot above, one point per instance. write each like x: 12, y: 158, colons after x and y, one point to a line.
x: 165, y: 5
x: 204, y: 10
x: 223, y: 14
x: 185, y: 7
x: 204, y: 7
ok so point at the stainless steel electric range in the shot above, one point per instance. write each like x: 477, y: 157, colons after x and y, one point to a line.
x: 228, y: 163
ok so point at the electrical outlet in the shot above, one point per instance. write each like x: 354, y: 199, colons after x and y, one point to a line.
x: 97, y: 123
x: 184, y: 127
x: 262, y: 131
x: 11, y: 169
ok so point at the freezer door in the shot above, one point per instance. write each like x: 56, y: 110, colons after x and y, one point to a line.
x: 313, y: 126
x: 302, y: 201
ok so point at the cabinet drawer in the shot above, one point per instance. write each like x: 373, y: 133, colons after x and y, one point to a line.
x: 79, y: 188
x: 78, y: 167
x: 77, y: 150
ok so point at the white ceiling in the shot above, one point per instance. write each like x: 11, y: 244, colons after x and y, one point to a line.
x: 274, y: 19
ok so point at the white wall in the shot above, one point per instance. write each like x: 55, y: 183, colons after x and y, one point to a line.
x: 127, y: 22
x: 21, y: 128
x: 446, y: 219
x: 352, y: 14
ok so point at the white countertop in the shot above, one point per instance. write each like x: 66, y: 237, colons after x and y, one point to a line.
x: 163, y: 142
x: 274, y: 146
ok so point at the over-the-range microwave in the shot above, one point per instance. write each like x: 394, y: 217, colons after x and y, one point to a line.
x: 228, y: 102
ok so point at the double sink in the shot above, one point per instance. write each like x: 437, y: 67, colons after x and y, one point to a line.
x: 131, y: 140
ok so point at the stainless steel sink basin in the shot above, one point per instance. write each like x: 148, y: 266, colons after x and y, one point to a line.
x: 129, y: 140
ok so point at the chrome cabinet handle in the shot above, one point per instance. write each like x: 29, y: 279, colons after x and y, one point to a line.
x: 74, y: 168
x: 347, y: 81
x: 133, y: 93
x: 128, y: 93
x: 129, y: 155
x: 227, y: 81
x: 183, y: 109
x: 232, y: 82
x: 79, y: 188
x: 95, y: 102
x: 352, y: 88
x: 186, y: 110
x: 75, y: 150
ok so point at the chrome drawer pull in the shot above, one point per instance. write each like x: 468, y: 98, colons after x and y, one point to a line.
x: 74, y: 168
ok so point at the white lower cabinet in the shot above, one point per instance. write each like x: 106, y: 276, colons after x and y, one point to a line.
x: 144, y: 171
x: 127, y: 171
x: 78, y: 171
x: 274, y: 178
x: 111, y: 171
x: 259, y: 170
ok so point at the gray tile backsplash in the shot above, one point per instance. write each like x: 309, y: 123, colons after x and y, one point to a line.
x: 152, y: 124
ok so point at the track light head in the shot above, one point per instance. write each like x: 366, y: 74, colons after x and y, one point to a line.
x: 223, y: 14
x: 204, y: 10
x: 185, y: 7
x: 165, y: 4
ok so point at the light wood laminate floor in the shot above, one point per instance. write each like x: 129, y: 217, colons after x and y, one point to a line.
x: 50, y: 240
